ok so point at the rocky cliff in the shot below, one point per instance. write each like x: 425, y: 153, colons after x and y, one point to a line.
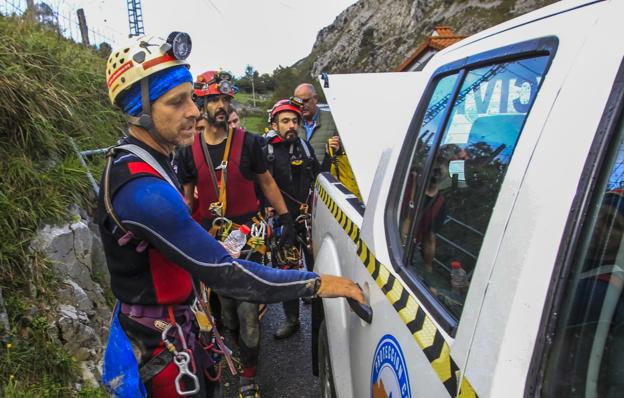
x: 377, y: 35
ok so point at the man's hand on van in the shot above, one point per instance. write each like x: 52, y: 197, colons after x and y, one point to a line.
x: 337, y: 286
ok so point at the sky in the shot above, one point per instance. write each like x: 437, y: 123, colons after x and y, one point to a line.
x: 226, y: 34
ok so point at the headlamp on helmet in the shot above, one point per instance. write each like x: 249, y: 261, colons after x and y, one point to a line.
x: 214, y: 83
x: 178, y: 45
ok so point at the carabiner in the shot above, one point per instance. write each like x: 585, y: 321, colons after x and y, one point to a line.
x: 180, y: 334
x: 182, y: 360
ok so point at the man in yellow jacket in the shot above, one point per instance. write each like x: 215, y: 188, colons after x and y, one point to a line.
x: 319, y: 129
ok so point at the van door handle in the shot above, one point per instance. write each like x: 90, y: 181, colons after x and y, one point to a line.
x: 364, y: 311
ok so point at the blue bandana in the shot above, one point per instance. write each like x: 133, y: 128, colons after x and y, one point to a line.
x: 159, y: 84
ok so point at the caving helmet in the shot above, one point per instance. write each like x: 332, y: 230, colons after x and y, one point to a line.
x: 144, y: 61
x: 293, y: 104
x: 214, y: 82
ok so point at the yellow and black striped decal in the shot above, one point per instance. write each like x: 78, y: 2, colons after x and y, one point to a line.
x: 420, y: 325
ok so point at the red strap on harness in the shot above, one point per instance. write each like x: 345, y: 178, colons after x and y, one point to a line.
x: 142, y: 167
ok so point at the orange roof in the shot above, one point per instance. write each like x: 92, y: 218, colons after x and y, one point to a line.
x: 442, y: 37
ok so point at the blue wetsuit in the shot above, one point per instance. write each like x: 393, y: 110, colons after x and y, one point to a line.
x: 154, y: 210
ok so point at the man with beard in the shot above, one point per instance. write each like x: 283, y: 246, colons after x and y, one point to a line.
x: 294, y: 166
x: 223, y: 164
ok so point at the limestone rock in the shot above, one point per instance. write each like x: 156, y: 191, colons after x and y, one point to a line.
x: 80, y: 312
x: 378, y: 35
x: 74, y: 330
x: 71, y: 293
x: 69, y: 248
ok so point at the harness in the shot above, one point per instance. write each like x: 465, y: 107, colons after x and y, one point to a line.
x: 216, y: 211
x: 272, y: 135
x: 291, y: 257
x: 162, y: 318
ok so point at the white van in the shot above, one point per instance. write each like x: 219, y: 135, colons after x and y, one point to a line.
x: 489, y: 243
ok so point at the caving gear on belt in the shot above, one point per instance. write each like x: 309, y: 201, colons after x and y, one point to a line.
x: 227, y: 181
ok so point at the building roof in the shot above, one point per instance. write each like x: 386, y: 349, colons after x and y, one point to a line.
x: 442, y: 37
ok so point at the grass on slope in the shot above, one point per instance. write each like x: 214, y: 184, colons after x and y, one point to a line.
x: 51, y: 89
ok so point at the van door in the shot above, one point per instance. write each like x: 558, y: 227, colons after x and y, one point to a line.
x: 454, y: 160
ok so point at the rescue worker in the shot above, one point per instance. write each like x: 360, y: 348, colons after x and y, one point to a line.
x: 294, y: 167
x: 235, y: 159
x: 155, y: 251
x: 319, y: 129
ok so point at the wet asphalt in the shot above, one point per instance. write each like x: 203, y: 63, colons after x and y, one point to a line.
x: 285, y: 366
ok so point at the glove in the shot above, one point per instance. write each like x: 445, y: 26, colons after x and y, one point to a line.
x: 289, y: 235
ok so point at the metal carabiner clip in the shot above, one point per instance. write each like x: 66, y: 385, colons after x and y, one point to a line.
x: 182, y: 360
x: 180, y: 334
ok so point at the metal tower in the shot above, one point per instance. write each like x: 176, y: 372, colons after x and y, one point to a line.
x: 135, y: 18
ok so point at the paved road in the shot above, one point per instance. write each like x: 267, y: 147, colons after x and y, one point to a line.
x: 285, y: 368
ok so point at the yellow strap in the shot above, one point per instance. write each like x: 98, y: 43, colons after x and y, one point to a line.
x: 332, y: 166
x: 224, y: 162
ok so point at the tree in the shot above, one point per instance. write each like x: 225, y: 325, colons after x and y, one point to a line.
x: 286, y: 80
x: 251, y: 73
x: 46, y: 16
x: 104, y: 50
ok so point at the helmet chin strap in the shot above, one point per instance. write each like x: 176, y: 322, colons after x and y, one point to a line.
x: 145, y: 120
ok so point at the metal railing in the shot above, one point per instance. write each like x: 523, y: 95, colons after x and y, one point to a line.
x: 66, y: 21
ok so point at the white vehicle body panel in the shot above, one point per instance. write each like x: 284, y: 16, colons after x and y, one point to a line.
x: 383, y: 102
x: 496, y: 335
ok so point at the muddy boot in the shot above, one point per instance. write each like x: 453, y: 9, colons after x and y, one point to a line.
x: 291, y: 325
x: 248, y: 388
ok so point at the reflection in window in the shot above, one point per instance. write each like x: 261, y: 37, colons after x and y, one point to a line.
x: 430, y: 125
x: 587, y: 358
x: 466, y: 175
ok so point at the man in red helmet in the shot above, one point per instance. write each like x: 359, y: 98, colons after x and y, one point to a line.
x: 294, y: 166
x: 223, y: 164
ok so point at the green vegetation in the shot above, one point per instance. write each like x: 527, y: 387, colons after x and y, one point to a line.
x: 51, y: 89
x: 254, y: 124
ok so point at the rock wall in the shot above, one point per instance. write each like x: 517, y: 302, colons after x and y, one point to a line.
x: 377, y: 35
x: 81, y: 313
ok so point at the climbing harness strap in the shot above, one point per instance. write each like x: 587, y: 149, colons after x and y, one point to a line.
x: 218, y: 208
x: 145, y: 156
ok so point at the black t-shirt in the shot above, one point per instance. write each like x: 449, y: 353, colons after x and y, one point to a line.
x: 252, y: 160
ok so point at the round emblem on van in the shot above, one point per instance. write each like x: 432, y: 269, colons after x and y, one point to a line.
x: 389, y: 372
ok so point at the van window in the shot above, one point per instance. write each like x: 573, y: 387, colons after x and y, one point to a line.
x: 587, y: 356
x: 431, y: 124
x: 465, y: 176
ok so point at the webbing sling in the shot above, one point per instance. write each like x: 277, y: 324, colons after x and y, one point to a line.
x: 141, y: 154
x: 220, y: 190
